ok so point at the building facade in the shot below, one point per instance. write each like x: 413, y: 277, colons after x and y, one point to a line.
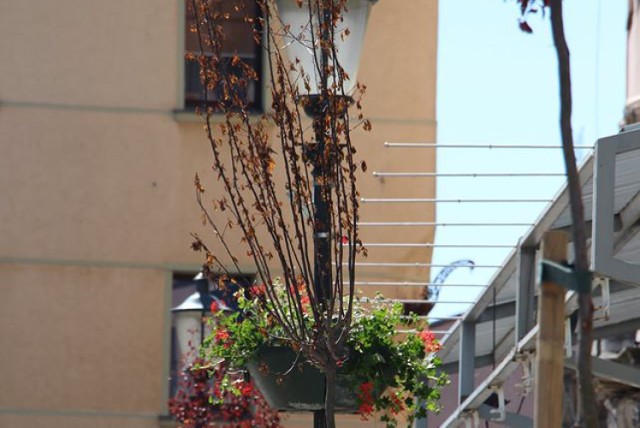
x: 98, y: 158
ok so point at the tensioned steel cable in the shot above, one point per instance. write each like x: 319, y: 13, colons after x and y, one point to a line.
x: 454, y: 200
x: 479, y: 146
x: 435, y: 223
x: 468, y: 174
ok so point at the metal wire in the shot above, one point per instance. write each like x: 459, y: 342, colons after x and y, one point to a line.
x: 435, y: 200
x: 413, y: 330
x: 469, y: 174
x: 412, y: 264
x: 411, y: 284
x: 428, y: 245
x: 455, y: 318
x: 446, y: 302
x: 433, y: 223
x: 479, y: 146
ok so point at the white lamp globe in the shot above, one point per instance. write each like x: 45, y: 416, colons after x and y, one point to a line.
x: 301, y: 42
x: 188, y: 322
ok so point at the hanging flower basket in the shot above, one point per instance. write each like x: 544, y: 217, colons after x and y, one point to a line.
x: 289, y: 383
x: 379, y: 370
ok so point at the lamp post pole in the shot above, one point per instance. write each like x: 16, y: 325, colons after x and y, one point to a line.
x: 321, y: 159
x: 315, y: 49
x: 321, y: 162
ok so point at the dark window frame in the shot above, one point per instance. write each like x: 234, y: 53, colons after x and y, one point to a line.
x: 252, y: 54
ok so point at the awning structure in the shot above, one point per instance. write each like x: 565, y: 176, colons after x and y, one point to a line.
x: 500, y: 327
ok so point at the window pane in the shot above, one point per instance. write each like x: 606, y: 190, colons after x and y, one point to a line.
x: 239, y: 40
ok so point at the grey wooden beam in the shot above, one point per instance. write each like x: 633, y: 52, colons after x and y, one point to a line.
x: 612, y: 371
x: 466, y: 361
x: 525, y: 291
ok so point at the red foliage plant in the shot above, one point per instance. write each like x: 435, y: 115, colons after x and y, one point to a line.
x: 198, y: 403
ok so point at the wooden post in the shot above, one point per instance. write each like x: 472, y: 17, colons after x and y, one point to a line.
x: 549, y: 373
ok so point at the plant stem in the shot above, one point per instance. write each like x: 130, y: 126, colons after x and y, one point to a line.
x: 587, y: 413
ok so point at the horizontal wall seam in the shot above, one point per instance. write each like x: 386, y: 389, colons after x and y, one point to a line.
x: 176, y: 267
x: 76, y: 413
x: 179, y: 115
x: 85, y: 107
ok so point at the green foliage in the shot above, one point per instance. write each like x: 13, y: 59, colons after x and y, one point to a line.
x: 389, y: 360
x: 401, y: 366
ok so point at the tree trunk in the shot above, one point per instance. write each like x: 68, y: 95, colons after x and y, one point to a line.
x: 326, y: 418
x: 587, y: 411
x: 330, y: 397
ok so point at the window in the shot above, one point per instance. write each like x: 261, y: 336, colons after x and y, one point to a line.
x: 239, y: 41
x: 187, y: 336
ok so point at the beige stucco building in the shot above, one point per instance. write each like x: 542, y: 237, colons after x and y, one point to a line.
x: 97, y: 161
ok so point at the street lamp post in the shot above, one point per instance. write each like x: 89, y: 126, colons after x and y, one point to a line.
x: 308, y: 38
x: 189, y: 318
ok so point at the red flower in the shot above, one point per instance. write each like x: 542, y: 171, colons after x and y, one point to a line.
x: 366, y: 388
x: 365, y: 410
x: 222, y: 335
x: 345, y: 239
x: 214, y: 307
x: 257, y: 290
x: 366, y: 400
x: 431, y: 344
x: 246, y: 390
x: 397, y: 404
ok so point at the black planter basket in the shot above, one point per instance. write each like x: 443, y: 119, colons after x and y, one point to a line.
x: 296, y: 388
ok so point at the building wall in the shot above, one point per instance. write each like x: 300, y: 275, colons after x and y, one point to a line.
x: 96, y: 178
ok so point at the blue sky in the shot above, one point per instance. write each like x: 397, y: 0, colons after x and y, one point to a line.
x: 497, y: 85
